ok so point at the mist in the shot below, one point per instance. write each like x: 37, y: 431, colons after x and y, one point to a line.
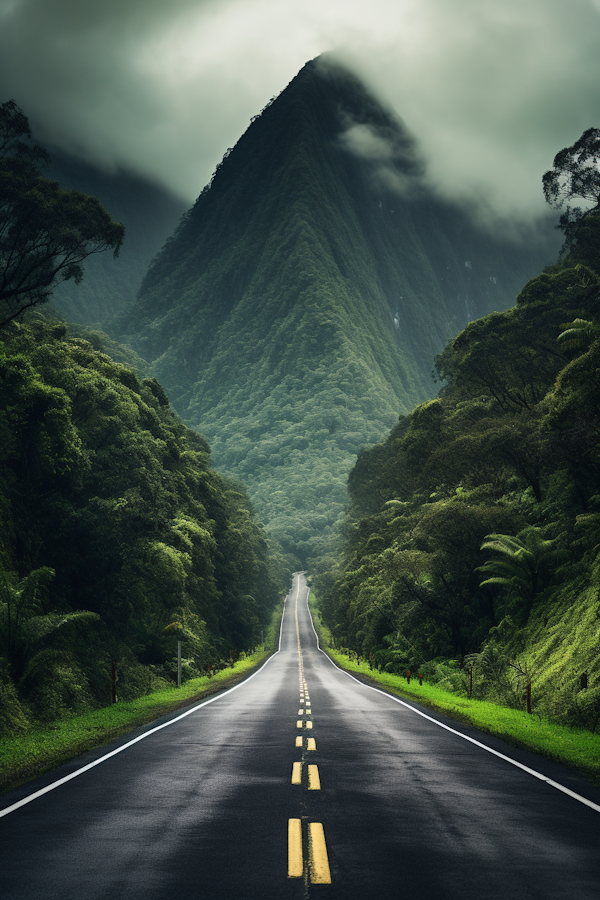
x: 490, y: 91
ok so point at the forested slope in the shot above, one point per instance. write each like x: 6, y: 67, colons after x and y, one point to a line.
x: 298, y: 306
x: 474, y: 529
x: 113, y: 528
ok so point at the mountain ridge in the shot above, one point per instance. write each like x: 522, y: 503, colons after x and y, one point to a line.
x: 299, y: 304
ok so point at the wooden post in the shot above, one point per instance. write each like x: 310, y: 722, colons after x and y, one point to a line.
x: 470, y: 680
x: 114, y: 682
x: 528, y: 696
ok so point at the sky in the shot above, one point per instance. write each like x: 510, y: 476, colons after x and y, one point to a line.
x: 490, y: 90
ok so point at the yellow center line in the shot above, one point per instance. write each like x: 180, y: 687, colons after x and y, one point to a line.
x: 308, y: 725
x: 295, y: 861
x: 314, y: 782
x: 317, y: 853
x: 300, y: 712
x: 299, y: 742
x: 297, y: 773
x: 307, y: 712
x: 299, y: 723
x: 311, y: 745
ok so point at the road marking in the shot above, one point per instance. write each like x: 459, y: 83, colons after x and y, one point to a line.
x: 314, y: 782
x: 307, y: 712
x: 312, y: 744
x: 309, y: 724
x: 317, y: 854
x: 297, y: 773
x: 299, y: 742
x: 299, y: 724
x: 295, y: 861
x: 533, y: 772
x: 141, y: 737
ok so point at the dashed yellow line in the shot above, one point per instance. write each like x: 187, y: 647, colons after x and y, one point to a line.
x: 308, y: 725
x: 295, y: 861
x: 297, y: 773
x: 299, y: 742
x: 317, y: 854
x: 314, y: 782
x: 311, y: 745
x: 299, y: 723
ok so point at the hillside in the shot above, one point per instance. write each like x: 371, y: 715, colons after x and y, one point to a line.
x: 116, y: 535
x: 298, y: 307
x: 473, y: 532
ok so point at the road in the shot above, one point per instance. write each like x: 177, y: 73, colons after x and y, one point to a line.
x: 302, y: 782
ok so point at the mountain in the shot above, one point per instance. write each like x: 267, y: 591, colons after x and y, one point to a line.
x: 149, y: 213
x: 297, y: 309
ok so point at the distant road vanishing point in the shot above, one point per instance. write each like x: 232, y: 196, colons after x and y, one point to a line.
x: 302, y: 781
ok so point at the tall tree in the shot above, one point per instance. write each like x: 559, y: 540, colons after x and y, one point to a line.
x: 575, y: 174
x: 45, y: 232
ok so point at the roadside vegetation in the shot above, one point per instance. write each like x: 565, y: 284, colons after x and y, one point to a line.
x: 24, y: 756
x: 44, y: 748
x: 574, y: 747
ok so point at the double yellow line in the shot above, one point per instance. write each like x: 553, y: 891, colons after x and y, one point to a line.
x: 318, y: 862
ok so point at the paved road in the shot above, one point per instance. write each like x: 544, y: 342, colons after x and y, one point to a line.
x: 388, y: 805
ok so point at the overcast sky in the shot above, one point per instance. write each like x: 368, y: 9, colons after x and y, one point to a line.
x: 491, y: 90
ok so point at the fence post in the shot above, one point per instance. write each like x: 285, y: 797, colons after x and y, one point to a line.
x: 114, y: 682
x: 528, y: 696
x: 178, y: 664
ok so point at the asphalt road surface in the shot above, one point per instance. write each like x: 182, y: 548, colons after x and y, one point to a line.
x: 302, y: 782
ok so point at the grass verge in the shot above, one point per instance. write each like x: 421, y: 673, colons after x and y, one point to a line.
x: 572, y: 746
x: 43, y: 749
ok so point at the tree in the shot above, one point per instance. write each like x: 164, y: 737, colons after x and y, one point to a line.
x: 517, y: 563
x: 575, y: 173
x: 578, y: 334
x: 45, y: 231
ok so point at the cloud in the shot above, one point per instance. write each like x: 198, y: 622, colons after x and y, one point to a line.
x: 392, y: 156
x: 491, y: 90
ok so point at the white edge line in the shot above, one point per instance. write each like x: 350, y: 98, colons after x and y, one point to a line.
x: 465, y: 737
x: 96, y: 762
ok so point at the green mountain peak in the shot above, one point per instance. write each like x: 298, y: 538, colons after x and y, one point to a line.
x: 296, y: 311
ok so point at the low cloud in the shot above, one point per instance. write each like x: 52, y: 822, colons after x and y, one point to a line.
x: 392, y: 155
x: 491, y: 91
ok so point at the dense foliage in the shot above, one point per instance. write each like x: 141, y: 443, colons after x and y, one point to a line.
x: 299, y: 305
x: 474, y: 529
x: 116, y: 536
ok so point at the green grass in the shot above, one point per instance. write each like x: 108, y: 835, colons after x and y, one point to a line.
x: 43, y: 749
x: 572, y: 746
